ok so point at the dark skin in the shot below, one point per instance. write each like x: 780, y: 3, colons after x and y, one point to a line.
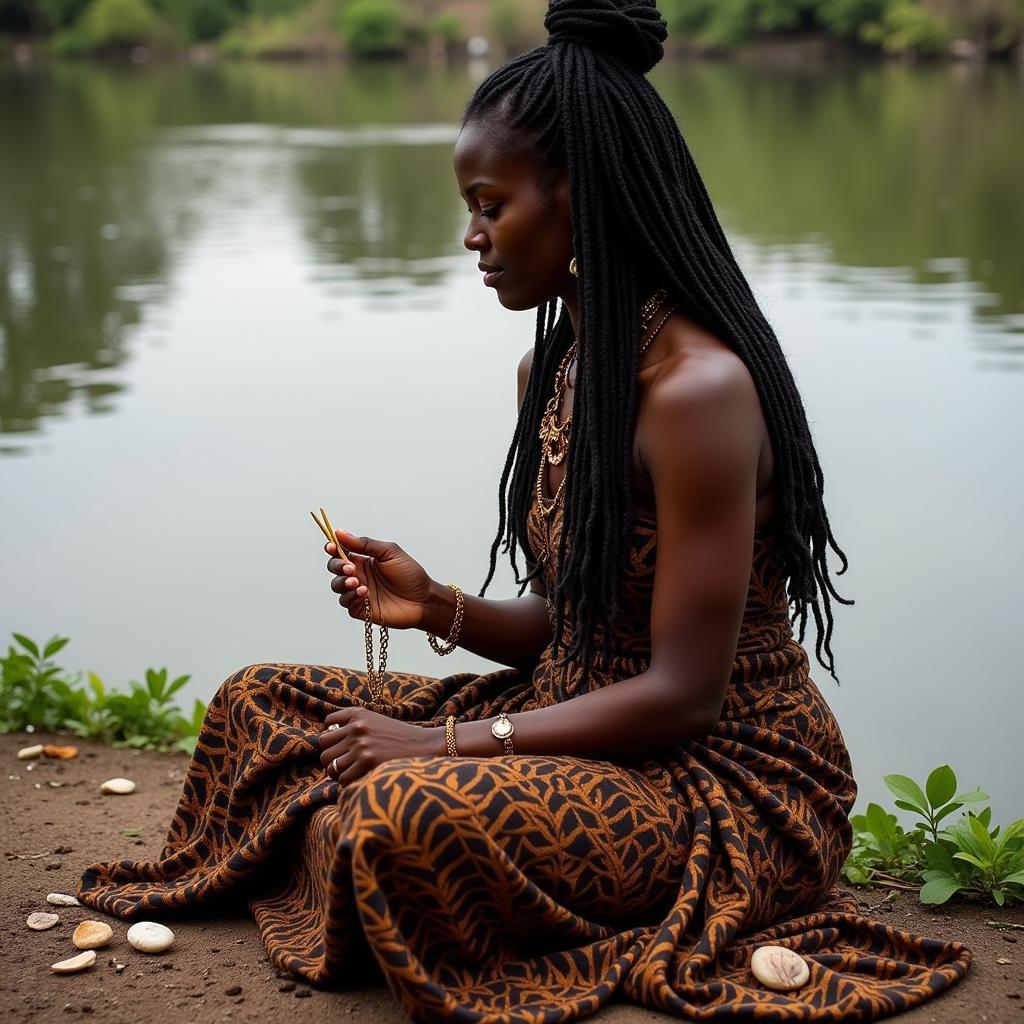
x: 702, y: 469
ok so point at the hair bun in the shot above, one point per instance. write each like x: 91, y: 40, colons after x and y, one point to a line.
x: 631, y: 30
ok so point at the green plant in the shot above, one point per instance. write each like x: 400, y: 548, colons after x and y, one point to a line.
x: 119, y: 22
x: 374, y: 28
x: 449, y: 29
x: 145, y: 716
x: 907, y: 27
x: 963, y: 857
x: 36, y: 693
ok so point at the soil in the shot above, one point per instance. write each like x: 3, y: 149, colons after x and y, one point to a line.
x: 54, y: 822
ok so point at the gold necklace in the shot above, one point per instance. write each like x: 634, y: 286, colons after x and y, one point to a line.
x: 554, y: 434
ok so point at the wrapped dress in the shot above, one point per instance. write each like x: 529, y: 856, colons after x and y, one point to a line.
x: 530, y: 888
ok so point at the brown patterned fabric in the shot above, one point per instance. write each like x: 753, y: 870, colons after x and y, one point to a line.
x: 533, y: 889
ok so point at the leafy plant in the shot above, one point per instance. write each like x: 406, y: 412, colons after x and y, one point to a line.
x: 962, y: 857
x: 33, y: 689
x: 36, y: 693
x: 374, y: 28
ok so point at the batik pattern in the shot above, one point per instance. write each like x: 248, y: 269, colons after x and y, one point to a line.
x: 532, y: 889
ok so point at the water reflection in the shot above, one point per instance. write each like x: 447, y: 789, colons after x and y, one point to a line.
x: 903, y: 184
x: 915, y: 172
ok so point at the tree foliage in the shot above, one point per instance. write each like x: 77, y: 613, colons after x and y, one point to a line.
x: 377, y: 27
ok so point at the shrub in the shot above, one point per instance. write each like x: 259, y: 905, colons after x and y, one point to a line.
x: 449, y: 29
x: 966, y: 856
x: 38, y: 694
x: 118, y: 22
x: 907, y: 27
x: 374, y: 28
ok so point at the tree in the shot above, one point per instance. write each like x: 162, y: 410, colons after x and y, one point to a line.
x: 119, y: 22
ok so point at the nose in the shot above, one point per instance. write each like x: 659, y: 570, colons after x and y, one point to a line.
x: 475, y: 240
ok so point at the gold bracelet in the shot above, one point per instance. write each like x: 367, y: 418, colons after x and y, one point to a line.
x: 452, y: 640
x: 449, y: 736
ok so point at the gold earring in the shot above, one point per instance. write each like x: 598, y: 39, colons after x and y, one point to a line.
x: 573, y: 269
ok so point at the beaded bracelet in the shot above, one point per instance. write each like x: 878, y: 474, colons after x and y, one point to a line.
x: 452, y: 640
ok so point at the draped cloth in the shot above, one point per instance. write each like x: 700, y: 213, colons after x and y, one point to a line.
x: 534, y: 889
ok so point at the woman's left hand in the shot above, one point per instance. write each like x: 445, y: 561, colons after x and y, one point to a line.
x: 357, y: 740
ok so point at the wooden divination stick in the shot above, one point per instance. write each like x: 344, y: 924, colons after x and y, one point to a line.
x: 374, y: 677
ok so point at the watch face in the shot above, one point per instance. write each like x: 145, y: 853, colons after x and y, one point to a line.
x: 501, y: 728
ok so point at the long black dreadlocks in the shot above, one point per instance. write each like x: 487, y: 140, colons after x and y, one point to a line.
x: 641, y: 218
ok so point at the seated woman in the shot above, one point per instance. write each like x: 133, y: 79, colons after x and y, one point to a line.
x: 654, y: 787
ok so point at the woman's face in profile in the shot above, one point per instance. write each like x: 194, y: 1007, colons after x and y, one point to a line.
x: 520, y: 230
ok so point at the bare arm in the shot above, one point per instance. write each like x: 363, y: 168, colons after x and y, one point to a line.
x: 704, y: 429
x: 513, y: 632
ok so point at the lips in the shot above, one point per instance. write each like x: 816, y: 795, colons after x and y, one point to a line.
x: 491, y: 273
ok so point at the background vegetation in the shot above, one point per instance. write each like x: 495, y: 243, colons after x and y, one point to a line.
x: 383, y: 28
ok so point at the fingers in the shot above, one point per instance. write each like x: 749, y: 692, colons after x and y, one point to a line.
x: 330, y: 737
x: 339, y: 766
x: 345, y: 581
x: 340, y: 717
x: 369, y: 546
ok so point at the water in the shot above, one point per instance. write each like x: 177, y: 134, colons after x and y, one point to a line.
x: 229, y: 295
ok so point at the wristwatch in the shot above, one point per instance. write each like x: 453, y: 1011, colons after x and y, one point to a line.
x: 502, y: 729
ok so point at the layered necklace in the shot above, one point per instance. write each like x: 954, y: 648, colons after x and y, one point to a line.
x: 554, y: 433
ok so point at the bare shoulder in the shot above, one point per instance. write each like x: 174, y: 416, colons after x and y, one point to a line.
x: 523, y: 373
x: 697, y: 393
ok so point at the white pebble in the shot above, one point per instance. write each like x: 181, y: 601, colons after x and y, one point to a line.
x: 58, y: 899
x: 150, y: 937
x: 779, y: 968
x: 76, y: 963
x: 28, y: 753
x: 40, y: 922
x: 92, y: 935
x: 119, y: 787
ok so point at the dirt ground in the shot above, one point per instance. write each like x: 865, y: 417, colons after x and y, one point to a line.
x: 54, y: 822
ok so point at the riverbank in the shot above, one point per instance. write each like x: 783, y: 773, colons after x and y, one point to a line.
x: 55, y: 823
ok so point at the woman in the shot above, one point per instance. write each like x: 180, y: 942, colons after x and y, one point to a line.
x: 520, y: 846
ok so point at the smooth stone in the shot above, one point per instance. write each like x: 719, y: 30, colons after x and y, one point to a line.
x: 40, y: 922
x: 28, y: 753
x: 58, y: 899
x: 119, y: 787
x: 76, y: 963
x: 92, y: 935
x: 779, y: 968
x: 60, y: 753
x: 150, y: 937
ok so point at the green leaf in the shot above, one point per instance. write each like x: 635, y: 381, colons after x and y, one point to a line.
x: 58, y: 643
x: 938, y: 857
x: 1012, y: 831
x: 985, y: 816
x: 97, y: 686
x: 941, y: 786
x: 999, y: 896
x: 27, y: 644
x: 176, y: 686
x: 938, y: 890
x: 904, y: 805
x: 971, y: 859
x: 908, y: 791
x: 947, y: 810
x: 1017, y: 878
x: 972, y: 796
x: 978, y: 827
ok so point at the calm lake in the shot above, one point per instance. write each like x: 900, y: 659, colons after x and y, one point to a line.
x: 231, y: 294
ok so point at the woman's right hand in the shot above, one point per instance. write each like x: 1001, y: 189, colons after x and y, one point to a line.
x: 397, y: 585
